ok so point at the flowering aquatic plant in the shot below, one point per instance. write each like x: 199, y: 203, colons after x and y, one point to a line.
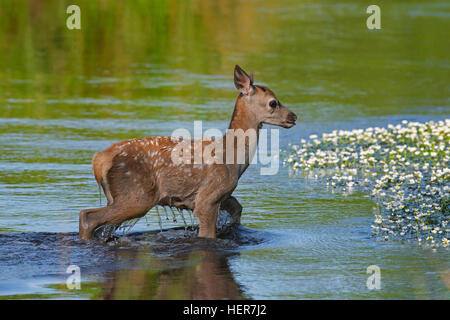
x: 405, y: 168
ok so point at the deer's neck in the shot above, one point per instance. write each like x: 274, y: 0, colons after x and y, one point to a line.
x: 244, y: 120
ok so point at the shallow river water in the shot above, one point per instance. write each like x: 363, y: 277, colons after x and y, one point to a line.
x: 139, y: 69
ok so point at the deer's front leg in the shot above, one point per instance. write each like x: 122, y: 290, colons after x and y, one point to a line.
x: 207, y: 216
x: 233, y: 207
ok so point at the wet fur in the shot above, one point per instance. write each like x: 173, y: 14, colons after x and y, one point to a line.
x: 138, y: 174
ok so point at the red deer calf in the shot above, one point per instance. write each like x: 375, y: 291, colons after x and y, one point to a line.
x: 139, y: 174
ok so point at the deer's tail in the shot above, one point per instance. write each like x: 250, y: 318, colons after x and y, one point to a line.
x: 101, y: 163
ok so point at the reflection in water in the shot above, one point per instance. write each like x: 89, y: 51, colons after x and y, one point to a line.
x: 200, y: 274
x: 446, y: 278
x: 173, y: 264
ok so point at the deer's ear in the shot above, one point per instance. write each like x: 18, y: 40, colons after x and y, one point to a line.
x: 242, y: 81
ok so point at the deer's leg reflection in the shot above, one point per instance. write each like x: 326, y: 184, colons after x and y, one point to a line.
x: 202, y: 274
x: 214, y: 279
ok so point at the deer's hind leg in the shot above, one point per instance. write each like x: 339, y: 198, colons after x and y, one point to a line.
x: 129, y: 187
x: 233, y: 207
x: 116, y: 213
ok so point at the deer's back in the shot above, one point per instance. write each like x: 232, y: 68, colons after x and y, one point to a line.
x: 143, y: 168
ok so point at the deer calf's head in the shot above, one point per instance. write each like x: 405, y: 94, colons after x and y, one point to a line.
x: 261, y: 102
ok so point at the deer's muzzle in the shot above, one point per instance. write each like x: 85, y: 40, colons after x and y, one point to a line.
x: 290, y: 120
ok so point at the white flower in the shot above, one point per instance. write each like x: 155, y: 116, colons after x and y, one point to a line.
x: 382, y: 160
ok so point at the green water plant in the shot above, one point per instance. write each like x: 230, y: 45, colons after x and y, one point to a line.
x: 405, y: 168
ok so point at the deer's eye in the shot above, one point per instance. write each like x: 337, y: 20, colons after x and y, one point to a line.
x: 273, y: 104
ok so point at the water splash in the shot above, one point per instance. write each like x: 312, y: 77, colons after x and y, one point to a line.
x: 111, y: 231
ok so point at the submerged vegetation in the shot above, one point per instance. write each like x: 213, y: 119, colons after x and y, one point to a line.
x: 404, y: 167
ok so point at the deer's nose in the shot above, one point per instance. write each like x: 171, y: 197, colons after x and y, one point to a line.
x: 292, y: 117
